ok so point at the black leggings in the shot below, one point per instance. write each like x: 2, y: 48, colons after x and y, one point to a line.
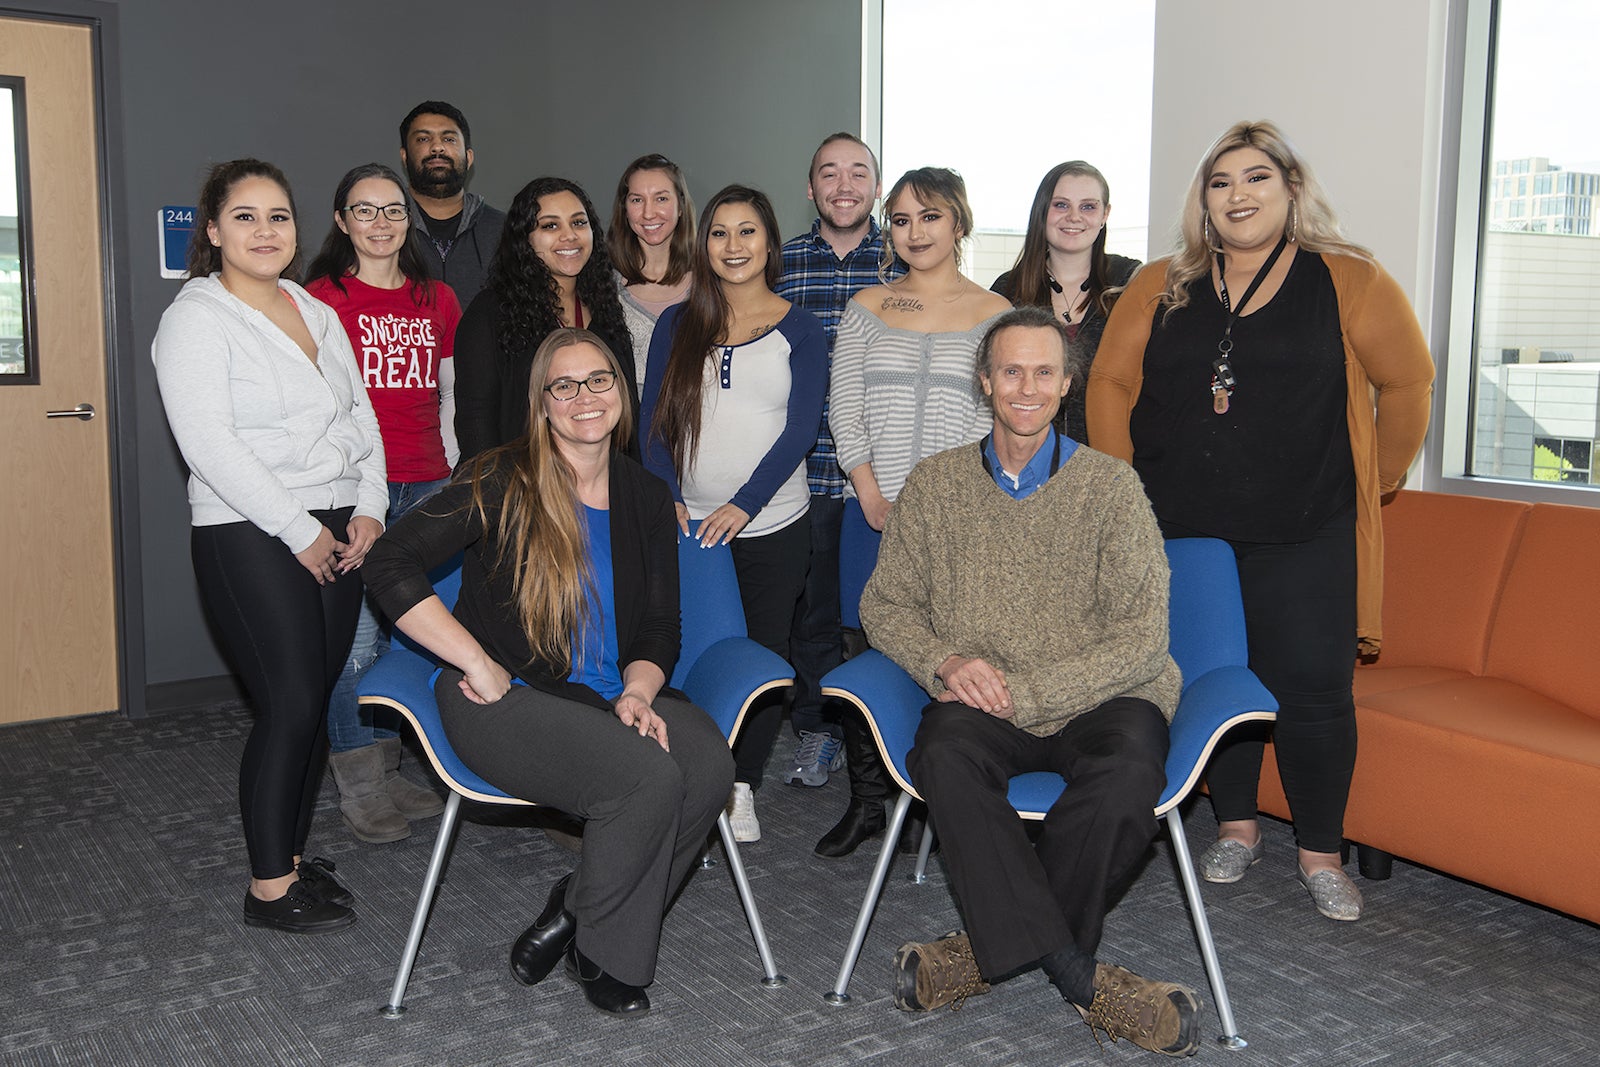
x: 1300, y: 619
x: 287, y: 637
x: 772, y: 575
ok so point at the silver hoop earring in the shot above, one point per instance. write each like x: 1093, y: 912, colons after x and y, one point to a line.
x: 1205, y: 230
x: 1294, y: 222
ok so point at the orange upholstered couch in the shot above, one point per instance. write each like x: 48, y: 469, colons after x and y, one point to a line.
x: 1480, y: 721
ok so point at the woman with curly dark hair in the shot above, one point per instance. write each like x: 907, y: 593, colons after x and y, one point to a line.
x: 550, y: 271
x: 1064, y: 266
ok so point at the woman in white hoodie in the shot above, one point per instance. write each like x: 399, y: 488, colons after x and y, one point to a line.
x: 288, y: 491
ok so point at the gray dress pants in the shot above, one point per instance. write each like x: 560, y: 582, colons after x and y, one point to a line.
x: 647, y: 812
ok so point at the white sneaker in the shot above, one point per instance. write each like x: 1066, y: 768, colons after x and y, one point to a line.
x: 742, y: 814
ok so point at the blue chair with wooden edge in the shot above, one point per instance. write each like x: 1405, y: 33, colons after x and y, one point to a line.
x: 1207, y: 639
x: 720, y: 669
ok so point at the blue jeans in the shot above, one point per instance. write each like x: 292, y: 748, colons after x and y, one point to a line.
x: 346, y: 728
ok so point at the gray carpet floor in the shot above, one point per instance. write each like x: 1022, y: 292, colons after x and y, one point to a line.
x: 122, y: 871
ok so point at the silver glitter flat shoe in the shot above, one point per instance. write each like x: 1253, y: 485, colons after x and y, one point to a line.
x: 1332, y: 891
x: 1228, y: 858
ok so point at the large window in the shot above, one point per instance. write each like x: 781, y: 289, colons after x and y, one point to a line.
x: 1003, y: 90
x: 1534, y: 390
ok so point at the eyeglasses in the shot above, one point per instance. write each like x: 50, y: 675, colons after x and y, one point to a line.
x: 601, y: 381
x: 364, y: 212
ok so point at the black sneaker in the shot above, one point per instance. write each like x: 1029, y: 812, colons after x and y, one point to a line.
x: 316, y: 874
x: 298, y: 911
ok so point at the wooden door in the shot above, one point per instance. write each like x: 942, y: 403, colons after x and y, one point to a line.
x: 58, y: 645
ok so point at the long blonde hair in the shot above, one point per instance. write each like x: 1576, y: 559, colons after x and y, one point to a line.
x: 543, y: 537
x: 1313, y: 223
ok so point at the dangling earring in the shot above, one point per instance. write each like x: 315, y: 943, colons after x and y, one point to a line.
x: 1294, y: 222
x: 1205, y: 229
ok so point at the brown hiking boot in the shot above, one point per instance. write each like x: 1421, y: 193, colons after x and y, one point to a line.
x: 929, y: 976
x: 1160, y: 1016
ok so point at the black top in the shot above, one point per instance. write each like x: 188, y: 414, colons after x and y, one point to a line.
x: 1276, y: 466
x: 492, y: 385
x: 644, y: 574
x: 1084, y: 341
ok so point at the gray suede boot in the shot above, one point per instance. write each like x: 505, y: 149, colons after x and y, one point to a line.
x: 363, y: 800
x: 414, y: 801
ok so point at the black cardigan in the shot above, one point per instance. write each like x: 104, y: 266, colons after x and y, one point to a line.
x: 644, y: 572
x: 492, y: 386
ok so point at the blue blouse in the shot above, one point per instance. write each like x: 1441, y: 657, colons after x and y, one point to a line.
x: 598, y: 667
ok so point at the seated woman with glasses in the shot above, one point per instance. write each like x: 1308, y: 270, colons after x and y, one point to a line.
x: 733, y: 400
x: 651, y: 243
x: 401, y: 326
x: 560, y: 647
x: 1064, y: 266
x: 904, y: 387
x: 551, y: 270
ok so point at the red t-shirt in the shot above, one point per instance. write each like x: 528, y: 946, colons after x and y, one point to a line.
x: 399, y: 346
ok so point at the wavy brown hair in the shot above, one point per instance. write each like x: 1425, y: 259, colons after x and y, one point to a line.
x: 1030, y: 278
x: 623, y: 244
x: 701, y: 324
x: 1316, y: 227
x: 544, y: 541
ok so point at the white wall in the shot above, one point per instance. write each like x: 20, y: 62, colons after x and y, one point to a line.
x: 1355, y: 85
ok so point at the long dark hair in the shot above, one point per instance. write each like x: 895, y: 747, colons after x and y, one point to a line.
x: 626, y: 254
x: 701, y: 323
x: 337, y: 258
x: 203, y: 257
x: 1030, y: 278
x: 530, y: 301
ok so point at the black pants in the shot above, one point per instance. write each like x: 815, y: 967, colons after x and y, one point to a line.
x: 287, y: 637
x: 1300, y: 620
x: 772, y: 575
x: 647, y: 812
x: 1022, y: 901
x: 816, y: 643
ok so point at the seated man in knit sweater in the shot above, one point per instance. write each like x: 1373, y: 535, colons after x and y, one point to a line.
x: 1022, y: 579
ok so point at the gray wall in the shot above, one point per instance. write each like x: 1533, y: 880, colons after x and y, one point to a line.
x: 732, y: 90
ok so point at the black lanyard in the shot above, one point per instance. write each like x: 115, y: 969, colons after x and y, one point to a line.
x: 1225, y: 345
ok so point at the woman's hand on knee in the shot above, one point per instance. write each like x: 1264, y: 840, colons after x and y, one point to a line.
x: 636, y: 712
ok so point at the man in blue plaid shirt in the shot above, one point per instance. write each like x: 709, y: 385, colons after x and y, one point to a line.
x: 822, y: 270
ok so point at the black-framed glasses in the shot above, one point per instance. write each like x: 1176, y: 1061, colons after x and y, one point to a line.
x: 365, y: 212
x: 601, y: 381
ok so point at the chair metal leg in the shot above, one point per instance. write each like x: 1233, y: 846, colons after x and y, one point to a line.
x: 419, y: 920
x: 1229, y: 1038
x: 920, y: 875
x: 880, y: 872
x: 769, y: 969
x: 706, y: 862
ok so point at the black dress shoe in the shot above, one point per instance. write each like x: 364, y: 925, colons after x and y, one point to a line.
x: 603, y: 991
x: 863, y: 820
x: 911, y: 832
x: 298, y: 911
x: 316, y: 874
x: 536, y: 953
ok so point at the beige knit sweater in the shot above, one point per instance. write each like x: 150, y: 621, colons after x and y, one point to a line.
x: 1065, y: 591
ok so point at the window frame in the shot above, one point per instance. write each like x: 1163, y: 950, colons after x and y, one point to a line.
x: 1465, y: 180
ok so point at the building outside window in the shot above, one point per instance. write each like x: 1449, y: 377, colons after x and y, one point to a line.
x: 1535, y: 394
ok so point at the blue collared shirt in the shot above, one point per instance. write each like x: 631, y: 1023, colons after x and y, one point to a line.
x: 816, y: 279
x: 1035, y: 472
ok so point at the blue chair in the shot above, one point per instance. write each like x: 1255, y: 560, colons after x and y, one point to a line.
x: 1207, y: 639
x: 719, y: 668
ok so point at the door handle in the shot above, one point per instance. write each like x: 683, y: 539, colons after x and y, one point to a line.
x: 82, y: 411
